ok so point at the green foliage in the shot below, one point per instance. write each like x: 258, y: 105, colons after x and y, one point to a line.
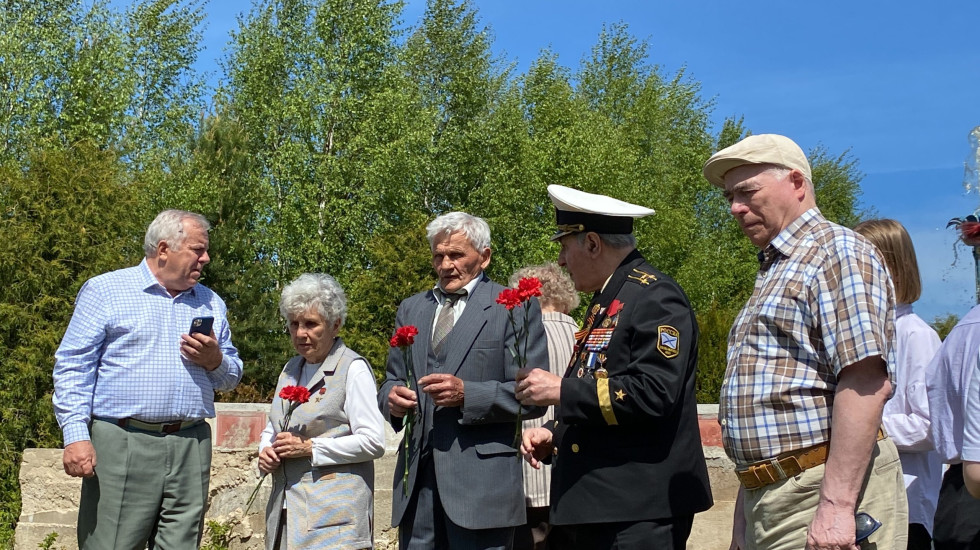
x: 944, y: 324
x: 400, y: 265
x: 835, y: 180
x: 714, y: 324
x: 456, y: 84
x: 218, y: 535
x: 80, y: 71
x: 48, y: 542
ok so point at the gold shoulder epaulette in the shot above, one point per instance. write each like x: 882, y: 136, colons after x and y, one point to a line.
x: 641, y: 277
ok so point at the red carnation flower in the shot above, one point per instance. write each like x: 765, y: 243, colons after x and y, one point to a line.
x: 528, y: 287
x: 404, y: 336
x: 295, y: 394
x: 509, y: 298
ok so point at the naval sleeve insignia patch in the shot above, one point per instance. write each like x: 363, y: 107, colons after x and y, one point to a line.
x: 668, y: 341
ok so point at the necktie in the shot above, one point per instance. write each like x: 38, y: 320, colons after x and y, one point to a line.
x: 444, y: 323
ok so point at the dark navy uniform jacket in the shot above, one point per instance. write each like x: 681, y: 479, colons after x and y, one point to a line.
x: 627, y: 443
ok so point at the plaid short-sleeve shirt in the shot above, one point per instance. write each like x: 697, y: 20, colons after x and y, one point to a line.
x: 822, y: 301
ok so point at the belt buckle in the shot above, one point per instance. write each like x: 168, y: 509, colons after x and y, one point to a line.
x: 774, y: 463
x: 170, y: 428
x: 788, y: 466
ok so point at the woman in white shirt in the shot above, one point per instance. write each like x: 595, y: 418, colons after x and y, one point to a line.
x: 906, y: 414
x: 321, y: 461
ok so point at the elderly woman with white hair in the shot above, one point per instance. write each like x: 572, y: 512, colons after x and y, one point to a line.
x: 322, y: 462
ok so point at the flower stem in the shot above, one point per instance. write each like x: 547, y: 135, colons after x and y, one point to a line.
x: 409, y: 420
x: 255, y: 491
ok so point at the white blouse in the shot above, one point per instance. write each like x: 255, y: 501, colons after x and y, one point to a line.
x: 367, y: 438
x: 906, y: 415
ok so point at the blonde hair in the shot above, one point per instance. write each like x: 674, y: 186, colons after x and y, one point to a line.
x: 896, y: 249
x: 557, y: 289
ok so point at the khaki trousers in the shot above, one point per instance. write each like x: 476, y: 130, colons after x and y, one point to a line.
x: 779, y: 515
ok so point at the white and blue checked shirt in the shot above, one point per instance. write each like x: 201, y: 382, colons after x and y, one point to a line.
x: 822, y: 300
x: 120, y: 357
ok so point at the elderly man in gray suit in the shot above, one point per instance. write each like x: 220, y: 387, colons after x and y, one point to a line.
x: 464, y: 486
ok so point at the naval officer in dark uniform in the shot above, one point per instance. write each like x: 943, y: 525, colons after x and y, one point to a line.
x: 629, y: 472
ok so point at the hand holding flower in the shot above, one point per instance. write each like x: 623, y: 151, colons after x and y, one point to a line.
x: 290, y: 445
x: 537, y: 387
x: 268, y: 460
x: 402, y: 401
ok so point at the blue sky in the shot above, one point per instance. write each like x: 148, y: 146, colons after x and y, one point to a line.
x: 895, y: 83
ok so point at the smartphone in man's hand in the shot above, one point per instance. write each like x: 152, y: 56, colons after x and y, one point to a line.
x: 201, y: 325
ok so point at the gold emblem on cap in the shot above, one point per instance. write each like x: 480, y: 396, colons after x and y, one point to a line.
x: 575, y: 447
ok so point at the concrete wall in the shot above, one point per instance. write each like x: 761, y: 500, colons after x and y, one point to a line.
x: 50, y: 498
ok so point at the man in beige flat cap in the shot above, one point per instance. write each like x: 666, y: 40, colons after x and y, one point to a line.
x: 809, y: 366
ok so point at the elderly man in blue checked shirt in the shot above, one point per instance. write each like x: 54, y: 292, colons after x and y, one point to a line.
x: 132, y: 390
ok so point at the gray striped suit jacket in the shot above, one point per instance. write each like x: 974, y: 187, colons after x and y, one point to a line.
x: 478, y: 471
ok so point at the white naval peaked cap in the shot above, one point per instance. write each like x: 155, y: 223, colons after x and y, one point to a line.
x: 577, y: 211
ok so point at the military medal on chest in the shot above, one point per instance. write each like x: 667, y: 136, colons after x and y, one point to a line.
x: 596, y: 342
x: 601, y: 372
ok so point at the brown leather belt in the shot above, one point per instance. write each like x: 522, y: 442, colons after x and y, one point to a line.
x: 152, y: 427
x: 785, y: 465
